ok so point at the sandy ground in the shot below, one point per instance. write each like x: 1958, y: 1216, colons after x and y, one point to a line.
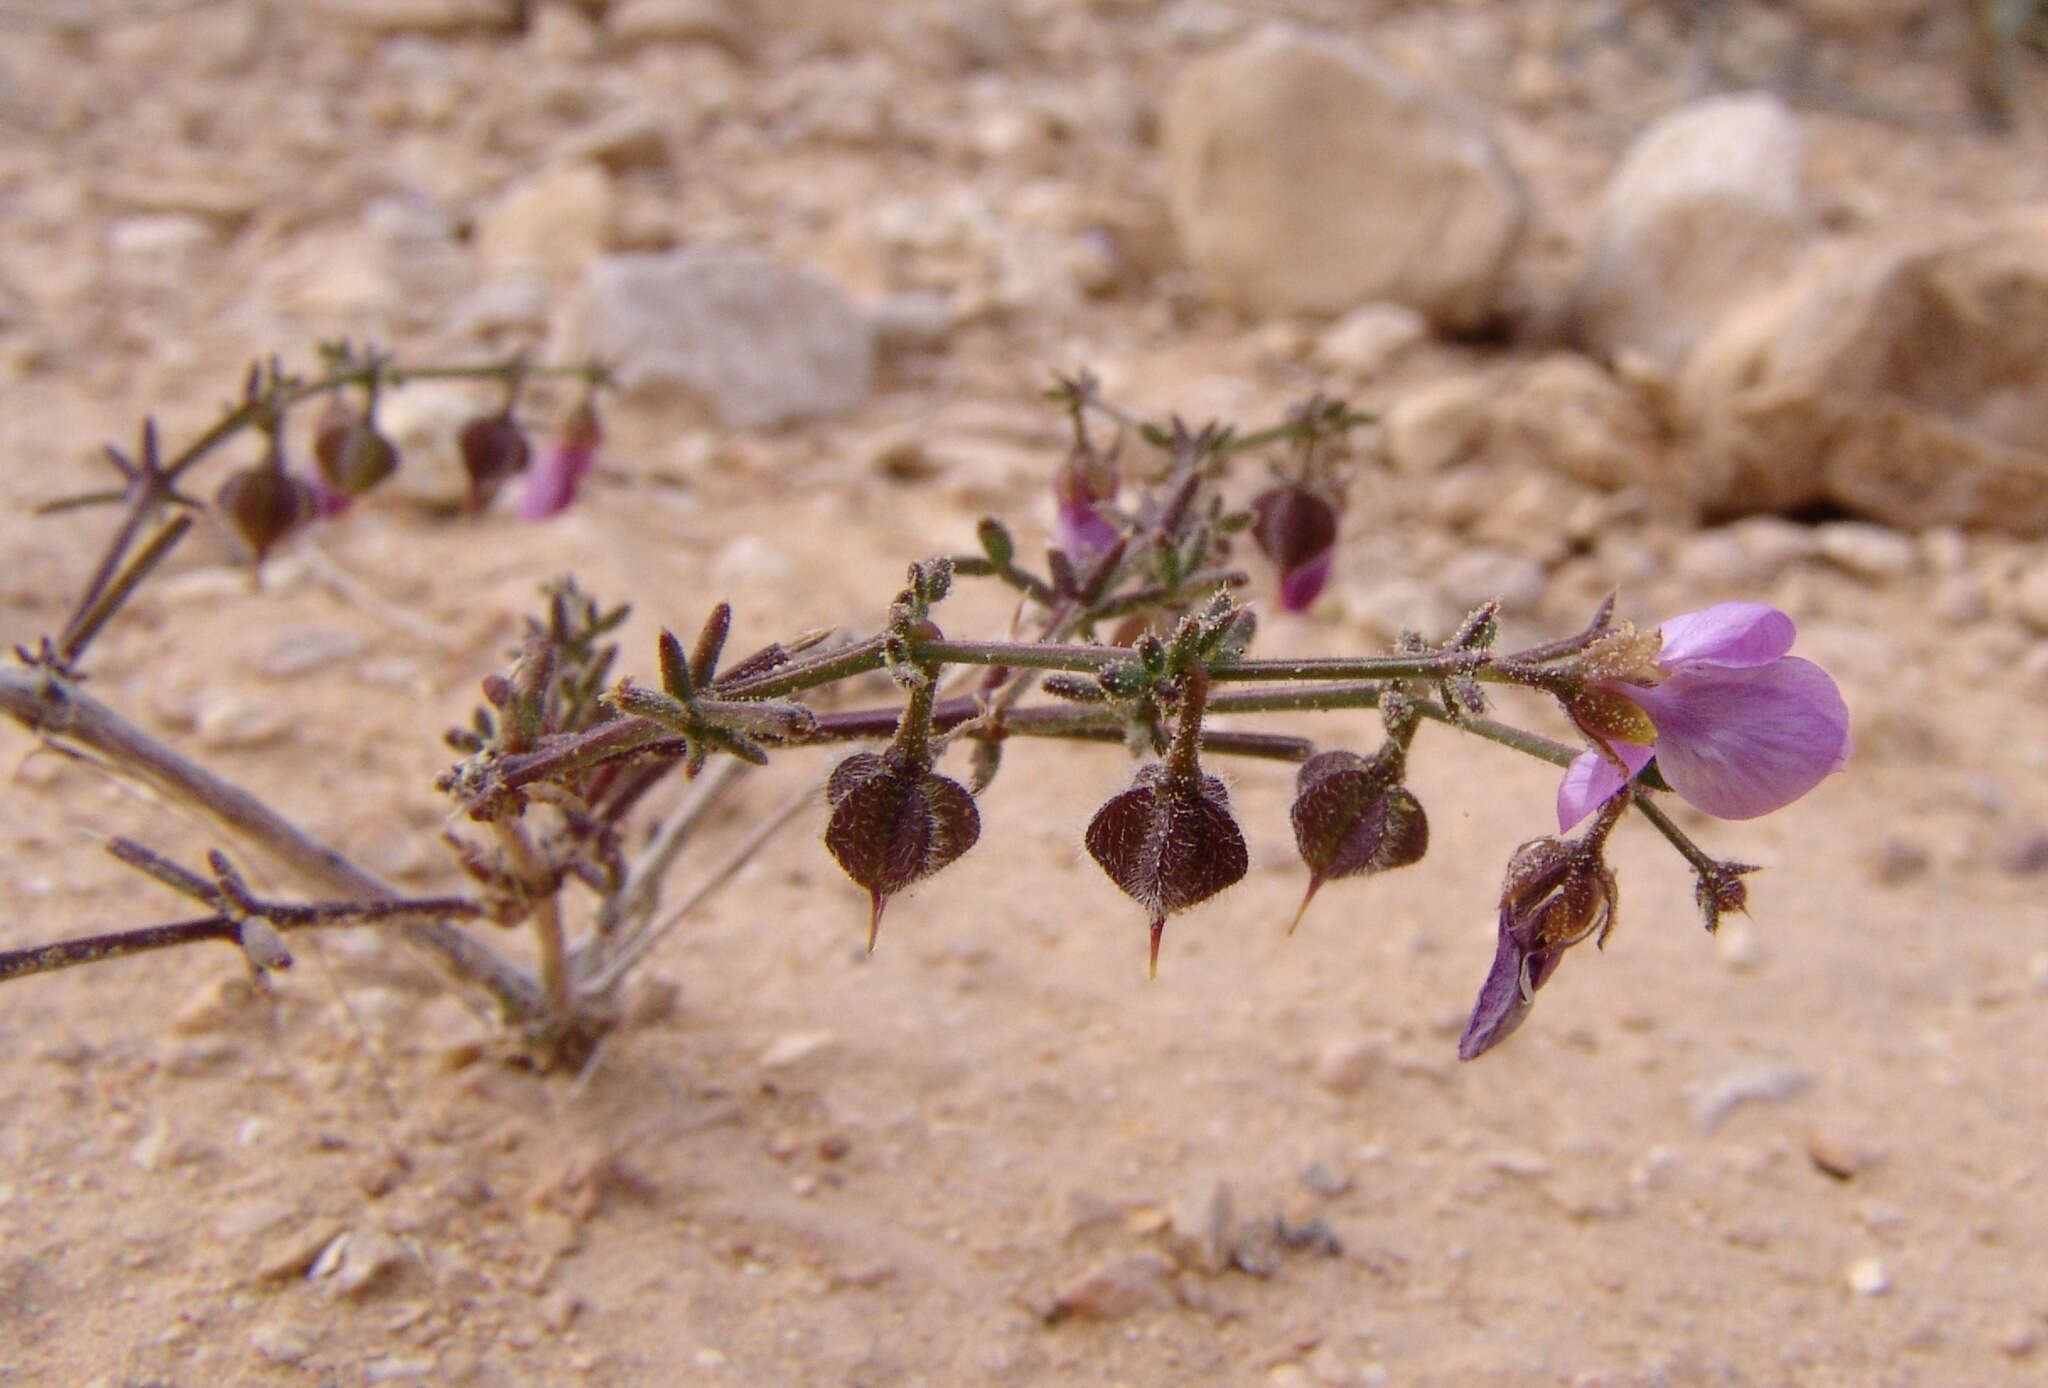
x: 802, y: 1165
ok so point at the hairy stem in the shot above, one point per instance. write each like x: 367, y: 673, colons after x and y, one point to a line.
x: 54, y: 708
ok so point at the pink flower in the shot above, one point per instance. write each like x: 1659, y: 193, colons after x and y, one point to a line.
x: 1738, y: 727
x: 551, y: 487
x: 1297, y: 529
x: 1085, y: 484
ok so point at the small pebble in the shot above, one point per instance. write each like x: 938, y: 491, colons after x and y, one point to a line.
x: 1754, y: 1082
x: 281, y: 1342
x: 1737, y: 945
x: 1346, y: 1063
x: 1869, y: 1277
x: 2019, y: 1339
x: 794, y: 1047
x: 1896, y: 861
x: 1200, y: 1223
x: 2024, y: 852
x: 1110, y: 1291
x: 371, y: 1259
x: 1326, y: 1181
x: 1839, y: 1151
x: 1869, y: 551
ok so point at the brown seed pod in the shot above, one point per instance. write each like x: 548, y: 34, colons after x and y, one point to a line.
x: 893, y: 825
x: 1169, y: 842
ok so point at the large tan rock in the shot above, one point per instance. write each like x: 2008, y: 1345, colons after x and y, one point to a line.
x: 1905, y: 380
x: 1305, y: 176
x: 1707, y: 205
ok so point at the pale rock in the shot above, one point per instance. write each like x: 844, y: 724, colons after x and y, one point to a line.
x: 1394, y: 605
x: 1567, y: 415
x: 559, y: 31
x: 1738, y: 946
x: 421, y: 16
x: 2018, y: 1338
x: 1440, y: 424
x: 1868, y: 1277
x: 1480, y: 575
x: 1868, y: 551
x: 158, y: 246
x: 369, y: 1262
x: 518, y: 302
x: 1306, y: 176
x: 1747, y: 554
x: 1707, y: 204
x: 637, y: 137
x: 750, y: 559
x: 424, y: 422
x: 281, y: 1342
x: 2029, y: 595
x: 1199, y: 23
x: 1841, y: 1149
x: 1115, y: 1289
x: 1959, y: 600
x: 558, y: 221
x: 634, y: 23
x: 230, y: 719
x: 1945, y: 550
x: 293, y: 1250
x: 1346, y: 1063
x: 1367, y: 340
x: 793, y: 1048
x: 911, y: 321
x: 1713, y: 1100
x: 1904, y: 379
x: 1199, y: 1225
x: 304, y: 650
x: 761, y: 342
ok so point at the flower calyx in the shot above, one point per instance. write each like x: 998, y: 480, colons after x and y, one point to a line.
x: 1557, y: 893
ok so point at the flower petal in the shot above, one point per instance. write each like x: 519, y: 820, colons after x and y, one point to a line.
x: 1592, y: 780
x: 1083, y: 532
x: 1299, y: 586
x: 551, y: 487
x: 1739, y: 743
x: 1501, y: 1005
x: 1736, y: 635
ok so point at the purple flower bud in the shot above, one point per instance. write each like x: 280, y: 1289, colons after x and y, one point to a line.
x: 1738, y: 727
x: 1557, y: 893
x: 892, y: 826
x: 1169, y: 842
x: 1297, y: 529
x: 1081, y: 527
x: 551, y: 487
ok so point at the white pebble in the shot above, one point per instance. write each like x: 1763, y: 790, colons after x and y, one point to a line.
x: 1869, y: 1277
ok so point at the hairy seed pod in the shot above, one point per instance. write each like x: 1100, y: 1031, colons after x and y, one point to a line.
x: 351, y: 455
x: 263, y: 504
x: 493, y: 449
x: 1169, y: 842
x: 1352, y: 815
x: 892, y: 826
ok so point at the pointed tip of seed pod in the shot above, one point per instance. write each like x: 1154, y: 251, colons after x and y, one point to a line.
x: 1158, y: 929
x: 1314, y: 885
x: 876, y: 901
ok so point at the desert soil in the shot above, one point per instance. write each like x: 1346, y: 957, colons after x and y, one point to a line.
x: 1813, y: 1151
